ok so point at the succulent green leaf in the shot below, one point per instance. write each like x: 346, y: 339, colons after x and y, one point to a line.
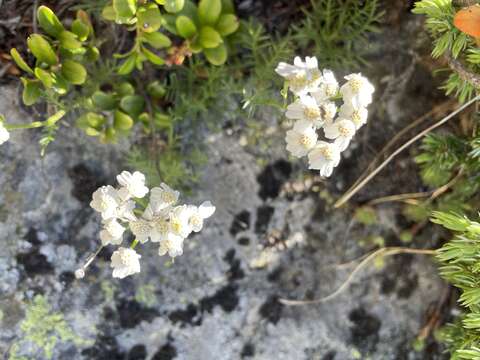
x: 152, y: 57
x: 156, y: 89
x: 92, y: 53
x: 69, y: 40
x: 132, y: 104
x: 173, y: 6
x: 125, y: 88
x: 44, y: 76
x: 91, y: 131
x: 90, y: 119
x: 149, y: 18
x: 185, y: 27
x: 125, y: 8
x: 49, y: 22
x: 80, y: 29
x: 157, y: 40
x: 128, y: 65
x: 209, y: 11
x: 228, y: 7
x: 42, y: 49
x: 60, y: 84
x: 31, y: 91
x: 108, y: 13
x: 104, y: 101
x: 74, y: 72
x: 217, y: 56
x: 55, y: 117
x: 227, y: 24
x: 109, y: 136
x: 209, y: 38
x: 122, y: 121
x: 19, y: 61
x: 195, y: 46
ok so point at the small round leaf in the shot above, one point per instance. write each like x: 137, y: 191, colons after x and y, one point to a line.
x: 19, y: 61
x: 173, y: 6
x: 157, y: 40
x: 209, y: 37
x: 227, y: 24
x: 132, y: 104
x: 49, y: 22
x: 149, y: 18
x: 42, y: 49
x: 185, y: 27
x: 122, y: 121
x: 74, y: 72
x: 104, y: 101
x: 216, y: 56
x: 209, y: 11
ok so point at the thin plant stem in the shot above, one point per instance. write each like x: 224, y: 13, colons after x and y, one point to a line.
x: 380, y: 252
x: 362, y: 183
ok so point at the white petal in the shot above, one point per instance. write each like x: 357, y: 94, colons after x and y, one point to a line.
x: 206, y: 209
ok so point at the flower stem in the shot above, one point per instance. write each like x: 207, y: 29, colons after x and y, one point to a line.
x: 134, y: 243
x: 33, y: 125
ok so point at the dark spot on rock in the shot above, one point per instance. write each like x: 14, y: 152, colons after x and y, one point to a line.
x: 271, y: 309
x: 272, y: 178
x: 131, y: 313
x: 241, y: 222
x: 264, y: 215
x: 32, y: 237
x: 138, y: 352
x: 105, y: 348
x: 226, y: 297
x: 189, y: 316
x: 330, y: 355
x: 365, y: 329
x: 166, y: 352
x: 244, y: 241
x: 274, y: 276
x: 396, y: 278
x: 35, y: 263
x: 248, y: 350
x: 408, y: 286
x: 235, y: 272
x: 85, y: 182
x: 66, y: 278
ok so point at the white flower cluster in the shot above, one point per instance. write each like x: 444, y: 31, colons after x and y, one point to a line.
x: 4, y: 134
x: 161, y: 221
x: 314, y: 108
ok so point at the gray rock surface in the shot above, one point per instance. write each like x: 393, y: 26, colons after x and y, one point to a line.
x: 274, y: 235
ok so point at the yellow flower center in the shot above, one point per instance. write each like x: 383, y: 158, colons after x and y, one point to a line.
x: 344, y: 131
x: 330, y: 90
x: 140, y: 227
x: 356, y: 84
x: 176, y: 226
x: 327, y: 152
x: 356, y: 118
x: 168, y: 197
x: 161, y: 226
x: 311, y: 113
x: 306, y: 141
x: 195, y: 220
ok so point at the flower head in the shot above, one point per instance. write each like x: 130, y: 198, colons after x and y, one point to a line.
x: 327, y: 88
x: 173, y: 245
x: 341, y: 131
x: 179, y: 221
x: 302, y: 76
x: 301, y: 139
x: 133, y: 185
x: 324, y: 157
x: 142, y: 229
x: 112, y: 232
x: 356, y: 114
x: 163, y: 197
x: 105, y: 200
x: 307, y: 109
x: 125, y: 262
x: 4, y: 134
x: 357, y: 90
x: 199, y: 214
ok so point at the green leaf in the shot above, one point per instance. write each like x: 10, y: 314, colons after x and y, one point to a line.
x: 227, y: 7
x: 19, y: 61
x: 49, y: 22
x: 128, y: 65
x: 125, y: 8
x: 157, y: 40
x: 156, y: 89
x: 152, y: 57
x: 122, y: 121
x: 104, y: 101
x: 227, y: 24
x: 109, y: 136
x: 31, y: 91
x: 185, y: 27
x: 108, y: 13
x: 173, y: 6
x: 74, y: 72
x: 216, y: 56
x: 149, y: 18
x: 209, y: 11
x: 54, y: 118
x: 90, y: 119
x: 209, y: 37
x: 80, y: 29
x: 132, y: 104
x: 60, y: 84
x: 44, y: 76
x: 125, y: 88
x: 92, y: 132
x: 41, y: 49
x: 92, y: 54
x: 69, y: 40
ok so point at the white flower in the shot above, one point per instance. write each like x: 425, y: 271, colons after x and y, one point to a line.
x: 302, y: 76
x: 199, y: 214
x: 306, y: 108
x: 133, y: 185
x: 125, y: 210
x: 357, y: 114
x: 112, y: 232
x: 327, y: 88
x: 329, y: 110
x: 173, y: 245
x: 301, y: 139
x: 357, y: 90
x: 163, y: 197
x: 179, y: 221
x: 324, y: 157
x: 125, y: 262
x: 105, y: 200
x: 342, y: 131
x: 142, y: 229
x: 4, y: 134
